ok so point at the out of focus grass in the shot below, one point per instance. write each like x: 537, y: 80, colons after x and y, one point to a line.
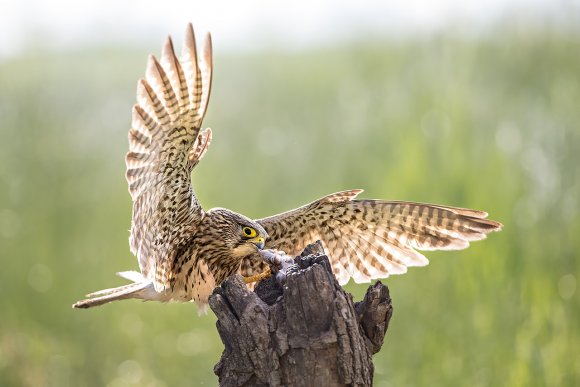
x: 491, y: 123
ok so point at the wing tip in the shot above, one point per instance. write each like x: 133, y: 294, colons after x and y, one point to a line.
x: 497, y: 226
x: 189, y: 29
x: 485, y: 226
x: 208, y: 49
x: 189, y: 45
x: 144, y: 91
x: 153, y: 71
x: 167, y: 48
x: 153, y: 64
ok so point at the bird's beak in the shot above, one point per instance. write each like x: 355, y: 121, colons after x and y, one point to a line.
x: 259, y: 242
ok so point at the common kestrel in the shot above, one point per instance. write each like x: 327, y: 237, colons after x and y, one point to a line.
x: 184, y: 252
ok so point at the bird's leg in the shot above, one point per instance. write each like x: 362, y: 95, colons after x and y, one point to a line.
x: 282, y: 263
x: 258, y: 277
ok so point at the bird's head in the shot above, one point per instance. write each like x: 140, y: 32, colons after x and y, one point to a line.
x: 241, y: 235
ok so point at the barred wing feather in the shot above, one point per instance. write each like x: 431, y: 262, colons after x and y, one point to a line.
x: 368, y: 239
x: 165, y: 144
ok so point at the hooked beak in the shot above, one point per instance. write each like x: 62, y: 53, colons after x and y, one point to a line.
x: 259, y: 242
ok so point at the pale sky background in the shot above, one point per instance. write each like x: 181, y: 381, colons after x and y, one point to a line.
x: 254, y: 24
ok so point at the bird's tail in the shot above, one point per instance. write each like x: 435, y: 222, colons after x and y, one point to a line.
x: 140, y: 289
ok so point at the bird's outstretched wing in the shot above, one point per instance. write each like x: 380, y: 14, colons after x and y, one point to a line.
x: 165, y: 143
x: 367, y: 239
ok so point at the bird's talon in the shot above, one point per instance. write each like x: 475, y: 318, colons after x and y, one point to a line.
x: 258, y: 277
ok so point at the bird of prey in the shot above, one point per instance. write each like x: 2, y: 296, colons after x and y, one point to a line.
x: 184, y: 252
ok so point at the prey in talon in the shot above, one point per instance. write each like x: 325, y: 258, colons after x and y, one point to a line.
x: 281, y: 264
x: 184, y: 251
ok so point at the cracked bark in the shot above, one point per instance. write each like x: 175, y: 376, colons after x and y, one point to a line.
x: 307, y: 333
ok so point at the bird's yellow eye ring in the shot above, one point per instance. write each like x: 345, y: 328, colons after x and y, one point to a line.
x: 249, y: 232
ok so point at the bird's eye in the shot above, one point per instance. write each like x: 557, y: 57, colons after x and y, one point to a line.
x: 249, y: 232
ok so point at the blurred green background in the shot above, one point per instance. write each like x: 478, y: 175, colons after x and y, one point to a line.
x: 489, y: 122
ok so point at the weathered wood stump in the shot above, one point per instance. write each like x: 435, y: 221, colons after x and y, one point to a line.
x: 306, y: 333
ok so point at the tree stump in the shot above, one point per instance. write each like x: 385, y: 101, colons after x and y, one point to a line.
x: 306, y: 333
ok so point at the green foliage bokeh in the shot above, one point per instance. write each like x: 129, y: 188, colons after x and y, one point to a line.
x: 490, y: 122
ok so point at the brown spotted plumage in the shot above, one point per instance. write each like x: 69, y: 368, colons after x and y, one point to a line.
x: 368, y: 239
x: 184, y: 252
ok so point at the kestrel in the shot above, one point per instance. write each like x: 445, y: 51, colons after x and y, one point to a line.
x: 184, y: 252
